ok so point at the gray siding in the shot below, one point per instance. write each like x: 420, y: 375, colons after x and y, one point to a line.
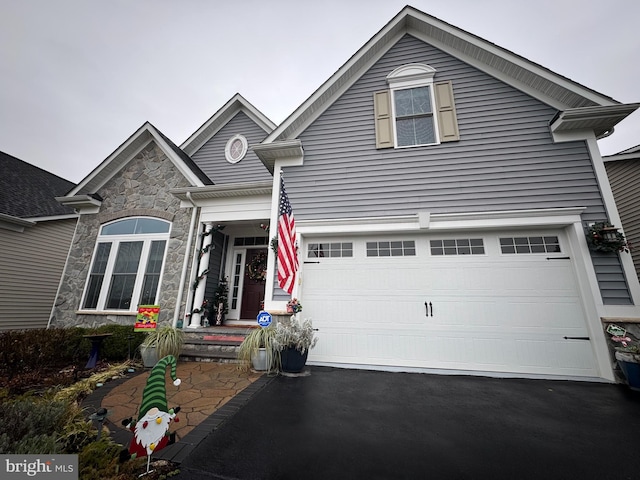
x: 505, y: 159
x: 31, y: 265
x: 624, y: 176
x: 210, y: 157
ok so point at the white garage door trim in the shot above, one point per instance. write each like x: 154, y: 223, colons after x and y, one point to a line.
x: 450, y: 346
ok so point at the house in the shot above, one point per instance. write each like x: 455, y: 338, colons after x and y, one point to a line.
x: 623, y: 170
x: 32, y: 226
x: 441, y: 187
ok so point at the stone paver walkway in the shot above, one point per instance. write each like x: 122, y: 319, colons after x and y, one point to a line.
x: 205, y: 387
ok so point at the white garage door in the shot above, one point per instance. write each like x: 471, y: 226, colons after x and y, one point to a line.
x: 505, y: 302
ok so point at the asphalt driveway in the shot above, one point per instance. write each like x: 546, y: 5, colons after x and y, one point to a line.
x: 355, y: 424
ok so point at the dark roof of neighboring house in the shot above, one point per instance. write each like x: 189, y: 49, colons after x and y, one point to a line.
x: 27, y: 191
x: 186, y: 159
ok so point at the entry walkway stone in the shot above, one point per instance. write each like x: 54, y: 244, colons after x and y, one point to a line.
x: 209, y: 393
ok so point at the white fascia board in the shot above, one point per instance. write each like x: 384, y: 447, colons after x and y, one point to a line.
x: 138, y: 137
x: 553, y: 217
x: 84, y: 204
x: 53, y: 218
x: 282, y: 152
x: 17, y: 220
x: 128, y: 150
x: 621, y: 156
x: 341, y: 80
x: 219, y: 119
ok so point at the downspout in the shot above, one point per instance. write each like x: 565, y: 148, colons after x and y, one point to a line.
x: 185, y: 263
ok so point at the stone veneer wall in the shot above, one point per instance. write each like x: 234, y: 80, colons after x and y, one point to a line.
x: 140, y: 188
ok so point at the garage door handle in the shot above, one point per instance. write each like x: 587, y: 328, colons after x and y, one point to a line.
x: 576, y: 338
x: 558, y: 258
x: 427, y: 306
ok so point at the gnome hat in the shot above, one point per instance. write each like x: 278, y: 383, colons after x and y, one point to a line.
x: 155, y: 394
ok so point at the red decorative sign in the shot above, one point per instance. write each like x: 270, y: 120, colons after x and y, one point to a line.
x: 147, y: 318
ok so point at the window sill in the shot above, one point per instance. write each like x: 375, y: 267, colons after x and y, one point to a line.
x: 105, y: 312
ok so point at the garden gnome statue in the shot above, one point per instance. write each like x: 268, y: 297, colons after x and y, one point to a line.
x: 151, y: 431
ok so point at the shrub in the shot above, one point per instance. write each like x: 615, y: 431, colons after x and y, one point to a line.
x: 31, y: 425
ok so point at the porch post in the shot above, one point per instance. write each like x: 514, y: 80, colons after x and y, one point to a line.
x: 203, y: 265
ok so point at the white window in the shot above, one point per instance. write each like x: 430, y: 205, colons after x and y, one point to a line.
x: 127, y: 265
x: 320, y: 250
x: 525, y: 245
x: 457, y: 246
x: 415, y: 111
x: 403, y: 248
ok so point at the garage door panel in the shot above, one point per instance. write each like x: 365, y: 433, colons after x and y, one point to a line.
x: 490, y: 312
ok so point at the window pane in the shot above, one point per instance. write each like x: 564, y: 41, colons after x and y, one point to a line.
x: 150, y: 225
x: 152, y: 273
x: 124, y: 276
x: 123, y: 227
x: 405, y: 132
x: 96, y: 277
x: 403, y: 102
x: 120, y: 292
x: 421, y: 100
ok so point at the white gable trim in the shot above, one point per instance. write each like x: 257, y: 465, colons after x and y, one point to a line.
x: 219, y: 119
x: 146, y: 134
x: 539, y: 82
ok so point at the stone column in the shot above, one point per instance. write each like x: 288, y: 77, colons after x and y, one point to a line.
x: 203, y: 265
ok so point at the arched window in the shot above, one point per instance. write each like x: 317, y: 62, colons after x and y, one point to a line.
x: 127, y: 265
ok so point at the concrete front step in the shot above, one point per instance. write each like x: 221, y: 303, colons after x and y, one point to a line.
x: 213, y: 344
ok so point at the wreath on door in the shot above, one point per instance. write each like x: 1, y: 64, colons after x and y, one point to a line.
x: 257, y: 267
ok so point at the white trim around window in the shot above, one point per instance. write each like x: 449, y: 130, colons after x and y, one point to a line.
x: 127, y: 265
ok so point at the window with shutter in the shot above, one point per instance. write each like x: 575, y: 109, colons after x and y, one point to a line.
x: 415, y: 111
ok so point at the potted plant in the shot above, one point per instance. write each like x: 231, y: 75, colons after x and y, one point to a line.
x: 162, y: 341
x: 294, y: 306
x: 627, y: 354
x: 258, y: 350
x: 293, y: 339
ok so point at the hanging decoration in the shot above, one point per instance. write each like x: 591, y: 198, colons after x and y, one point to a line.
x: 257, y: 267
x: 604, y: 237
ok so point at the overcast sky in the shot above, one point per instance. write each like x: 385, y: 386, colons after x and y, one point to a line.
x: 78, y: 77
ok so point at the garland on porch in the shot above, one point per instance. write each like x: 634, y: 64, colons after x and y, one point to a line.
x: 204, y: 308
x: 199, y: 279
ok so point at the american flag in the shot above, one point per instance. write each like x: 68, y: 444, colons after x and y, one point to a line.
x: 287, y: 251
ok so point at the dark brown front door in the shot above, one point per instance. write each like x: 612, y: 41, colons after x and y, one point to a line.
x: 253, y: 290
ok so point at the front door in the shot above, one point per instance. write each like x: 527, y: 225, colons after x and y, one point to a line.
x: 253, y: 287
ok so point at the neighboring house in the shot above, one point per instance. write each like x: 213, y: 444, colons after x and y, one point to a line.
x: 623, y: 170
x: 441, y: 187
x: 35, y: 234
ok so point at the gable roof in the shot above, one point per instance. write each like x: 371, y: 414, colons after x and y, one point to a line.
x: 236, y: 104
x: 129, y: 149
x: 539, y: 82
x: 27, y: 191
